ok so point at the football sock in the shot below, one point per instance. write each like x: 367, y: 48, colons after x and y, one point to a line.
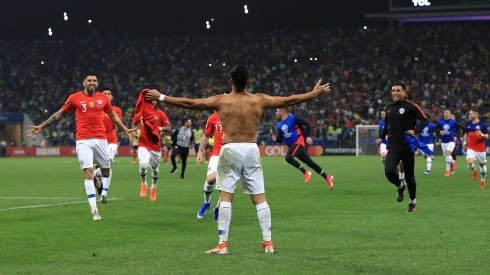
x: 106, y: 182
x: 143, y: 174
x: 324, y: 175
x: 483, y: 171
x: 224, y: 220
x: 264, y: 216
x: 449, y: 160
x: 154, y: 176
x: 208, y: 190
x: 471, y: 166
x: 401, y: 176
x: 90, y: 190
x: 414, y: 201
x: 302, y: 169
x: 429, y: 163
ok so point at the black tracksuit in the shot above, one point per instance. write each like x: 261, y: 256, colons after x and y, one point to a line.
x: 402, y: 116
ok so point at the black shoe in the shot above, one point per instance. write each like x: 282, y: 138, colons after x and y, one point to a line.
x: 181, y: 176
x: 411, y: 207
x: 399, y: 194
x: 173, y: 171
x: 103, y: 199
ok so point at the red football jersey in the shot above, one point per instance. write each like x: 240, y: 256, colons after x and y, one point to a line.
x: 110, y: 128
x: 145, y: 136
x: 89, y: 113
x: 214, y: 128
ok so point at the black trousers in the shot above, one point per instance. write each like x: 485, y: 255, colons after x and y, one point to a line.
x: 300, y: 152
x: 405, y: 155
x: 184, y: 153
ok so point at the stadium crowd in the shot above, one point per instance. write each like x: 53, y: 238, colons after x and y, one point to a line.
x: 444, y: 66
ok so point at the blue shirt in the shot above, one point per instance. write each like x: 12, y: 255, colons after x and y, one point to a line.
x: 290, y: 130
x: 449, y: 126
x: 382, y: 124
x: 427, y: 134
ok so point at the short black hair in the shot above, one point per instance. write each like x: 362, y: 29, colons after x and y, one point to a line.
x: 90, y: 74
x: 106, y: 88
x: 239, y: 74
x: 398, y: 83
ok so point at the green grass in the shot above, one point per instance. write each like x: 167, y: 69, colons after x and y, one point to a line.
x: 356, y: 228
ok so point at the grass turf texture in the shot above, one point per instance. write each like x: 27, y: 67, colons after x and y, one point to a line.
x: 358, y: 227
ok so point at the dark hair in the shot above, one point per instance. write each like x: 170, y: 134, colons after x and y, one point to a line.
x: 90, y: 74
x: 398, y: 83
x: 185, y: 119
x: 239, y: 74
x: 106, y: 88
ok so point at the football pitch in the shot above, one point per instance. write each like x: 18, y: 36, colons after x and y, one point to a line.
x: 46, y: 225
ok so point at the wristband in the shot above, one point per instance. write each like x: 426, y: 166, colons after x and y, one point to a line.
x: 162, y: 97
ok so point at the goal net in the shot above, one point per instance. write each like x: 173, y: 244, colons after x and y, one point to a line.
x: 365, y: 136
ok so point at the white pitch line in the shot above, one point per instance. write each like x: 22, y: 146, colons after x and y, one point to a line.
x: 48, y: 205
x: 37, y: 198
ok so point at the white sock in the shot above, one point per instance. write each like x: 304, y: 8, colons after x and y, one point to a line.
x: 106, y: 182
x: 449, y: 160
x: 143, y: 174
x: 401, y: 175
x: 483, y: 171
x: 90, y: 190
x: 154, y: 176
x: 208, y: 191
x: 224, y: 221
x: 414, y: 201
x: 264, y: 215
x: 429, y: 163
x: 98, y: 173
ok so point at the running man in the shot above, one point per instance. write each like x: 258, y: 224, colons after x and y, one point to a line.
x: 292, y: 129
x: 446, y: 129
x: 427, y: 136
x: 215, y: 130
x: 90, y: 107
x: 474, y: 142
x: 111, y: 135
x: 150, y: 122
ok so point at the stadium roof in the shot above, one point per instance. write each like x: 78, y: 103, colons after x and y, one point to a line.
x: 28, y: 19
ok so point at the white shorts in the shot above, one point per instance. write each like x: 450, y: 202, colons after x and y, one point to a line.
x: 149, y: 157
x: 92, y: 150
x: 448, y: 147
x: 212, y: 165
x: 112, y: 150
x: 481, y: 157
x: 431, y: 147
x: 240, y: 161
x: 382, y: 148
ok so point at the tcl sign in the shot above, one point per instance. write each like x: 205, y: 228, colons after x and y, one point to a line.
x: 421, y: 3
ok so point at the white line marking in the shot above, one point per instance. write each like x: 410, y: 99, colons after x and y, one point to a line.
x: 37, y: 198
x: 49, y: 205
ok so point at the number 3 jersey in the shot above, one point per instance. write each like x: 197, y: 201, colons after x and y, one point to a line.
x: 89, y: 114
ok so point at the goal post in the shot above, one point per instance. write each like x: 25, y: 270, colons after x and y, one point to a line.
x: 365, y: 137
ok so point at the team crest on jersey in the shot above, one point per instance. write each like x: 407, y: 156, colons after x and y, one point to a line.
x: 91, y: 104
x: 402, y: 110
x: 477, y: 127
x: 99, y: 101
x: 284, y: 128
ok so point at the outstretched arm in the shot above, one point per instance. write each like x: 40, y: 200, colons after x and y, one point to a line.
x: 115, y: 119
x: 183, y: 102
x: 37, y: 128
x: 272, y: 102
